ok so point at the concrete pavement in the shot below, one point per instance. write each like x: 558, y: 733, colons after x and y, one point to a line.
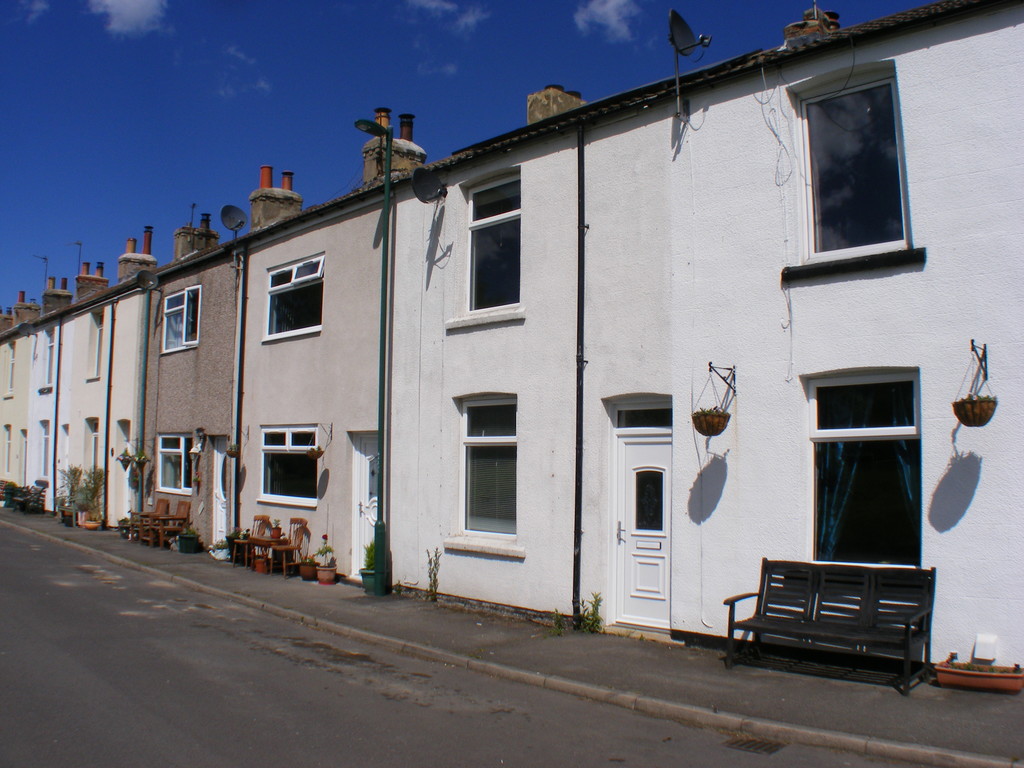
x: 933, y: 726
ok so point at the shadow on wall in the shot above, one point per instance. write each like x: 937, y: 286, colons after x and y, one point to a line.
x: 955, y: 491
x: 321, y: 486
x: 707, y: 489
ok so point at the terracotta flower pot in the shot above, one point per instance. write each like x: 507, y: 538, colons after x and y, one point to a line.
x: 275, y: 533
x: 999, y: 679
x: 307, y: 571
x: 325, y: 575
x: 91, y: 525
x: 261, y: 565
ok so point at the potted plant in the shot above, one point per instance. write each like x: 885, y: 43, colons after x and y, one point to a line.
x: 88, y: 498
x: 315, y: 452
x: 220, y: 550
x: 275, y: 529
x: 9, y: 490
x: 368, y: 572
x: 125, y: 459
x: 307, y: 569
x: 979, y: 677
x: 326, y: 572
x: 188, y: 541
x: 233, y: 537
x: 710, y: 421
x: 975, y: 410
x: 233, y: 450
x: 124, y: 527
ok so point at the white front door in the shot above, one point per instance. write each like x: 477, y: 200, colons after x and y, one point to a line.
x: 642, y: 536
x: 364, y: 491
x: 220, y: 488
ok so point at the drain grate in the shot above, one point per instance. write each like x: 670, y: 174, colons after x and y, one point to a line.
x: 757, y: 746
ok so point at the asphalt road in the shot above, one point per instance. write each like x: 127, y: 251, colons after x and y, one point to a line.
x: 106, y: 666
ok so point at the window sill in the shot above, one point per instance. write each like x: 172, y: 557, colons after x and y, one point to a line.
x: 175, y: 491
x: 179, y: 349
x: 913, y: 257
x: 487, y: 317
x: 480, y: 545
x: 282, y: 501
x: 311, y: 331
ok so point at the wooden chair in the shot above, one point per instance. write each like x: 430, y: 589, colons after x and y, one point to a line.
x: 149, y: 527
x: 292, y: 552
x: 244, y: 547
x: 172, y: 525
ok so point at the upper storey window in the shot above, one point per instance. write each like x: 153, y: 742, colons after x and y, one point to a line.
x: 296, y: 294
x: 857, y: 193
x: 181, y: 320
x: 494, y: 260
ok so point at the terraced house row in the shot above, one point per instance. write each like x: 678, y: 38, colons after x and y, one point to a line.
x: 821, y: 239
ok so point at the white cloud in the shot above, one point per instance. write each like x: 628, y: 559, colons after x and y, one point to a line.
x: 613, y: 15
x: 437, y: 69
x: 236, y: 52
x: 34, y: 9
x: 436, y: 7
x: 130, y: 17
x: 469, y: 18
x: 237, y: 78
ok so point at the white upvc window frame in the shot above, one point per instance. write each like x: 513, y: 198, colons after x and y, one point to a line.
x: 818, y: 435
x: 44, y: 434
x: 172, y: 446
x: 95, y: 363
x: 8, y: 447
x: 10, y: 350
x: 467, y: 442
x: 184, y: 303
x: 292, y: 440
x: 482, y: 224
x: 50, y: 340
x: 871, y: 77
x: 313, y: 267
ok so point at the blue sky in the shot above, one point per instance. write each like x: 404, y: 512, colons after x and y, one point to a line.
x: 124, y: 113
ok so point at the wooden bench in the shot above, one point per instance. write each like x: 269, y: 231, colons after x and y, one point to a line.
x: 878, y: 611
x: 29, y: 499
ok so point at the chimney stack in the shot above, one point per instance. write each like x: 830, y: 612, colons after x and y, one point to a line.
x: 131, y: 263
x: 189, y: 239
x: 56, y: 298
x: 269, y: 204
x: 406, y: 155
x: 86, y: 284
x: 817, y: 25
x: 24, y: 311
x: 552, y: 100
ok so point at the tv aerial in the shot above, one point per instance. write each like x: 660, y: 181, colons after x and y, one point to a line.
x: 233, y: 218
x: 683, y: 43
x: 427, y: 185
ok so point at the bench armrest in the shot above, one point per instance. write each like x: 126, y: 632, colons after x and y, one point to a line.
x: 730, y: 601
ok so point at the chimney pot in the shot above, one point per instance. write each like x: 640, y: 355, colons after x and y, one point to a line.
x: 21, y: 297
x: 63, y: 283
x: 85, y: 267
x: 383, y: 116
x: 129, y: 246
x: 147, y: 241
x: 266, y: 176
x: 204, y: 221
x: 99, y: 269
x: 51, y: 283
x: 405, y: 132
x: 286, y: 180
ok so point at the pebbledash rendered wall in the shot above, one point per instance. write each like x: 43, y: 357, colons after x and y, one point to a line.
x: 689, y: 229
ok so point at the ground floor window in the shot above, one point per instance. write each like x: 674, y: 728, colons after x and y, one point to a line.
x: 489, y: 442
x: 175, y: 463
x: 289, y: 473
x: 867, y: 470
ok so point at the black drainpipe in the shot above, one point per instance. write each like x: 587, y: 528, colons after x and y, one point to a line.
x: 581, y: 363
x: 55, y: 475
x: 106, y: 417
x: 240, y: 368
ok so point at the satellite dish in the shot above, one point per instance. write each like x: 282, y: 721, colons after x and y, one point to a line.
x: 683, y: 43
x: 427, y: 185
x: 233, y: 218
x: 147, y: 280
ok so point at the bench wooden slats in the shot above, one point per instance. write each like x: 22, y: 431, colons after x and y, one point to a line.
x: 861, y: 609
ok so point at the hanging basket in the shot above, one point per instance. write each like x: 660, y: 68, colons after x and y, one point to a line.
x: 125, y: 460
x: 710, y: 423
x: 974, y: 412
x: 234, y: 453
x: 315, y: 453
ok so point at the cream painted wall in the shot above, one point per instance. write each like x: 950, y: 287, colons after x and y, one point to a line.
x: 686, y: 243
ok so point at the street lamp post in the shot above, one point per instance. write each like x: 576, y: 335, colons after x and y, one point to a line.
x: 380, y: 565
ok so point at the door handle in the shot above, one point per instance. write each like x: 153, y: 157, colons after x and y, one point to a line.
x: 618, y: 533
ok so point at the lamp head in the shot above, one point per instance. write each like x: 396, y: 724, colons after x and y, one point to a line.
x: 373, y: 128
